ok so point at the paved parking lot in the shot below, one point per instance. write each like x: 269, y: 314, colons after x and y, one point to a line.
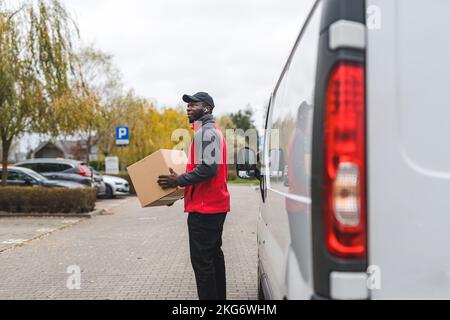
x: 20, y: 231
x: 128, y: 253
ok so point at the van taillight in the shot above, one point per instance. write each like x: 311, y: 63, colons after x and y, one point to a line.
x: 344, y: 201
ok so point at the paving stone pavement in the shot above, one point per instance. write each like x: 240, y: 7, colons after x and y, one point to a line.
x: 131, y: 253
x: 16, y: 231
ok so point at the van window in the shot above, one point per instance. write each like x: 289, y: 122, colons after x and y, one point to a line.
x: 292, y: 115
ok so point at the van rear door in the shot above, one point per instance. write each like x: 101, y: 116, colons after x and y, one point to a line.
x: 408, y: 69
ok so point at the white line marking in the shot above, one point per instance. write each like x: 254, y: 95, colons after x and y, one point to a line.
x: 46, y: 230
x: 69, y: 221
x: 14, y: 241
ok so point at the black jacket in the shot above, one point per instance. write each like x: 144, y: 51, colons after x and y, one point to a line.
x: 207, y: 153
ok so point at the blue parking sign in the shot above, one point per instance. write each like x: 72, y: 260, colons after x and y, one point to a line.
x: 122, y: 136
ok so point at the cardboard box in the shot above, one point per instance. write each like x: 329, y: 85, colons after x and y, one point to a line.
x: 144, y: 175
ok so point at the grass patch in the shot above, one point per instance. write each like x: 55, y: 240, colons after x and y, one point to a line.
x: 252, y: 182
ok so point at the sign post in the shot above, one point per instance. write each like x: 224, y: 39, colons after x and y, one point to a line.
x: 122, y: 140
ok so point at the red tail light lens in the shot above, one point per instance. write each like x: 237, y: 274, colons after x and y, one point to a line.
x: 83, y: 171
x: 345, y: 162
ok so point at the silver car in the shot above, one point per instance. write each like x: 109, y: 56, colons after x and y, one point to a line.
x: 116, y: 186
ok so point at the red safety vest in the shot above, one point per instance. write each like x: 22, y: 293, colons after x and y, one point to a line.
x: 211, y: 196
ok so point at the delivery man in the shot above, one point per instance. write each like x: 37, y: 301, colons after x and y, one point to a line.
x: 206, y: 197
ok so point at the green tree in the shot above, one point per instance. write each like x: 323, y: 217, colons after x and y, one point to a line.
x: 243, y: 119
x: 36, y: 61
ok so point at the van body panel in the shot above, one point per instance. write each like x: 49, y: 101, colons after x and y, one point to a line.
x: 408, y: 68
x: 274, y: 251
x: 298, y: 287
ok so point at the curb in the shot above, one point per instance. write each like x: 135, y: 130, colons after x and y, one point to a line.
x: 88, y: 215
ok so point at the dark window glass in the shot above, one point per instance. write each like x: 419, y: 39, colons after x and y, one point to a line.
x: 13, y: 176
x: 64, y: 167
x: 27, y: 165
x: 48, y: 167
x: 19, y: 176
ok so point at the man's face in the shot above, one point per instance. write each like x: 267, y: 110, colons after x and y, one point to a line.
x: 195, y: 110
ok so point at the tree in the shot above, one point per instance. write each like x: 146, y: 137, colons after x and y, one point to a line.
x: 225, y: 122
x: 243, y: 119
x: 102, y: 80
x: 36, y: 60
x: 151, y: 129
x: 110, y: 118
x: 82, y: 111
x: 122, y: 110
x: 90, y: 107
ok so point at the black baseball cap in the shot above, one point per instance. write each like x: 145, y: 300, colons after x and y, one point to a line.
x: 199, y: 97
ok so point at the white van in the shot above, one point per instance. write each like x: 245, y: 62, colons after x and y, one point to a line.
x: 355, y: 170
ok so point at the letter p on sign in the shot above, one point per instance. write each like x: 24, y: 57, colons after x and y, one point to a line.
x: 122, y: 136
x: 122, y: 133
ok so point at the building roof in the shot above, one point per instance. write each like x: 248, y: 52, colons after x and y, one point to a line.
x: 66, y: 146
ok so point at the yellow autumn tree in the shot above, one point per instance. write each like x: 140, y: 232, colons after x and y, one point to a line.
x: 151, y: 129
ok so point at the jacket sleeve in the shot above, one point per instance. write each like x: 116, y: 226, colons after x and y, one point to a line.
x: 208, y: 150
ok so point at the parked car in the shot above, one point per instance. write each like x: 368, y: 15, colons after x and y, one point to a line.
x: 116, y: 186
x: 23, y: 177
x: 65, y: 169
x: 98, y: 178
x: 361, y: 113
x: 87, y: 181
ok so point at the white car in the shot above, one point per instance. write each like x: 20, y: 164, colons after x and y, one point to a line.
x: 361, y: 114
x: 116, y: 186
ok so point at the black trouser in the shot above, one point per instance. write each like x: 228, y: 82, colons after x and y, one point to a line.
x: 205, y: 241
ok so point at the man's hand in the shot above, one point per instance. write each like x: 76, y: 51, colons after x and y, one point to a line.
x: 168, y: 182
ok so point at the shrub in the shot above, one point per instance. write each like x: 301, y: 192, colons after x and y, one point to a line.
x: 47, y: 200
x: 97, y: 165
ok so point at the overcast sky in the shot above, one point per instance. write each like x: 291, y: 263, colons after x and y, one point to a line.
x: 233, y: 49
